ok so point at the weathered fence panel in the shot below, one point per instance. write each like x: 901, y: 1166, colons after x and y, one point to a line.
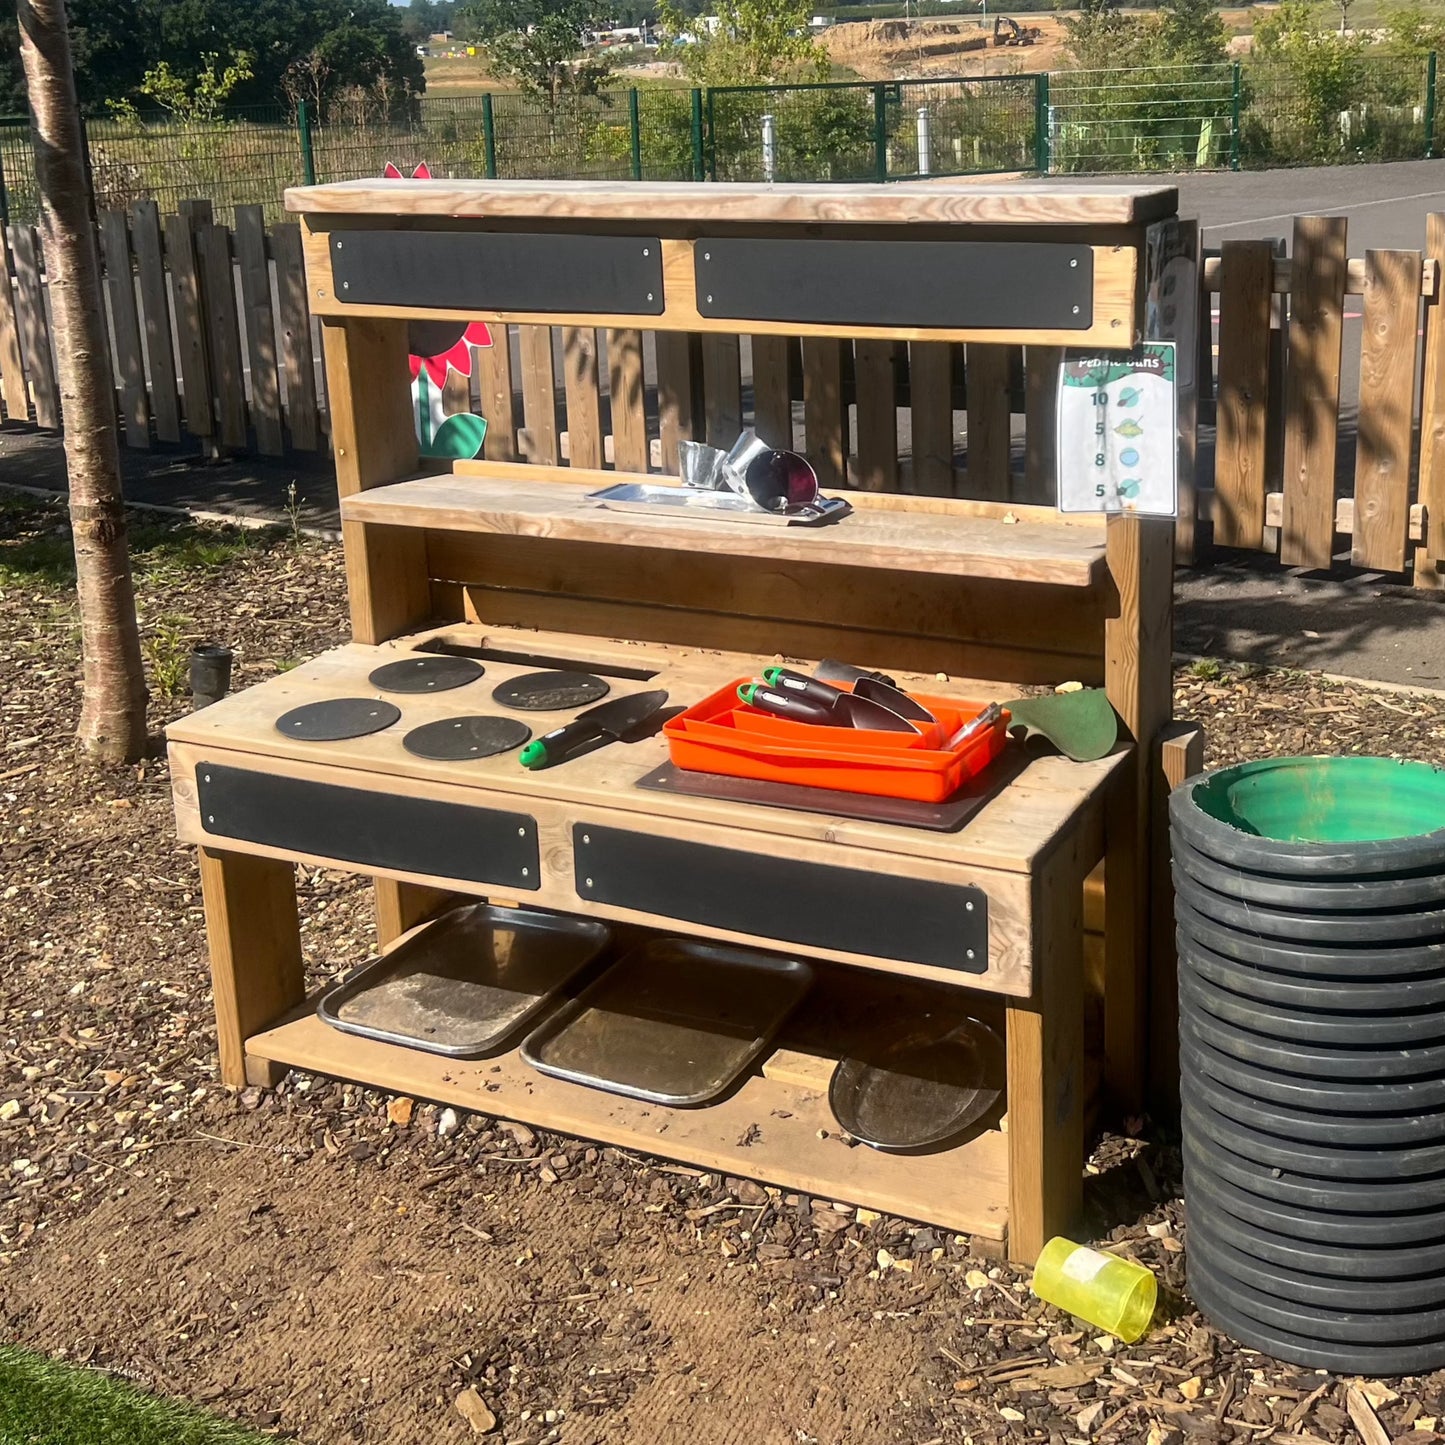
x: 1312, y: 389
x: 1389, y: 503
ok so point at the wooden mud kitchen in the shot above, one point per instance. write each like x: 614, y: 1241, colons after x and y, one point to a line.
x: 774, y: 929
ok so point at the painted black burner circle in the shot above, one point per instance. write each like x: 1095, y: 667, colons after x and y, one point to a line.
x: 549, y: 691
x: 426, y: 674
x: 337, y: 718
x: 463, y: 739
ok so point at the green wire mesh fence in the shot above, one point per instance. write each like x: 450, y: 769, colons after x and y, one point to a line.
x: 1171, y: 118
x: 1253, y: 114
x: 247, y: 159
x: 1367, y: 108
x: 882, y: 130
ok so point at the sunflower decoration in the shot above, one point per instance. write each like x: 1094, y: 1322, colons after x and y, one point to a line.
x: 438, y: 348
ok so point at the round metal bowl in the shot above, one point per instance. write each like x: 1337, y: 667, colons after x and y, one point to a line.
x: 920, y: 1086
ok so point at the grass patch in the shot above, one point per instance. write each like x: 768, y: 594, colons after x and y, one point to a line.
x: 44, y: 1402
x: 35, y: 544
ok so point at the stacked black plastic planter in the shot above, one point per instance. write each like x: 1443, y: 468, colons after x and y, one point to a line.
x: 1312, y: 1046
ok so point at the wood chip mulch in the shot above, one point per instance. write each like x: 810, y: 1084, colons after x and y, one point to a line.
x: 324, y: 1261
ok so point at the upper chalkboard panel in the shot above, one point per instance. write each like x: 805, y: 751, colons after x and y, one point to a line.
x: 1045, y: 286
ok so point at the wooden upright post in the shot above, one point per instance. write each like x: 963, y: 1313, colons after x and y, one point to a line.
x: 1045, y: 1058
x: 1137, y: 650
x: 255, y: 945
x: 375, y: 440
x: 1181, y: 755
x: 386, y: 572
x: 1429, y: 572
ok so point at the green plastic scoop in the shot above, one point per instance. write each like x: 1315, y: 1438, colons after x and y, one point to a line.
x: 1081, y: 725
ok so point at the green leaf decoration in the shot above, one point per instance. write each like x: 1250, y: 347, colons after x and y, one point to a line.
x: 458, y: 438
x: 1130, y: 428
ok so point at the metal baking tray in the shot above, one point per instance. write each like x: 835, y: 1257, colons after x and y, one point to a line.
x: 656, y: 499
x: 467, y: 983
x: 675, y: 1022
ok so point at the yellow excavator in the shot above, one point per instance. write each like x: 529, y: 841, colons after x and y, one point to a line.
x: 1010, y: 32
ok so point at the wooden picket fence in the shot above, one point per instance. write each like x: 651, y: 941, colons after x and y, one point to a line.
x: 1282, y: 480
x: 214, y: 342
x: 182, y: 298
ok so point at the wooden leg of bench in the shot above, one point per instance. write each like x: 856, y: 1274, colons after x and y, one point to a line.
x: 1046, y: 1071
x: 254, y: 938
x: 1181, y: 755
x: 400, y: 906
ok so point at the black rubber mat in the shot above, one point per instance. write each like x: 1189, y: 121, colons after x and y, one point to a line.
x: 550, y: 691
x: 337, y: 718
x: 426, y: 674
x: 463, y: 739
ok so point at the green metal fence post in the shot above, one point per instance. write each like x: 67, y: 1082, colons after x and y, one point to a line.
x: 636, y: 124
x: 1430, y: 106
x: 489, y: 136
x: 1236, y: 103
x: 697, y: 171
x: 308, y: 154
x: 880, y: 132
x: 1041, y: 123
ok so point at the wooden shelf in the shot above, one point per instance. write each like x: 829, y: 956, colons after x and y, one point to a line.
x: 653, y: 202
x: 916, y: 542
x: 963, y: 1189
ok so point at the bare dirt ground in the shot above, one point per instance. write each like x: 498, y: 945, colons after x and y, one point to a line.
x: 328, y: 1263
x: 892, y: 49
x: 898, y: 49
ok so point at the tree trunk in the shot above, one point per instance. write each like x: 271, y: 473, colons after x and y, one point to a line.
x: 113, y: 710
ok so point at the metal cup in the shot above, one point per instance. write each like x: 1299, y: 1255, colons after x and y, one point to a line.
x: 775, y: 480
x: 210, y: 673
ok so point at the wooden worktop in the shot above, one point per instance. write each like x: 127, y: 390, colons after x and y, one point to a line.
x: 1008, y: 834
x: 906, y: 203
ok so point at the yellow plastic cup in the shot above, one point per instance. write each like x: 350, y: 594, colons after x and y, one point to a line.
x: 1110, y: 1293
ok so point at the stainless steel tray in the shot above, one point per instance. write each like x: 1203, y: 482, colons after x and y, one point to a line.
x: 468, y: 982
x: 675, y: 1022
x: 656, y: 499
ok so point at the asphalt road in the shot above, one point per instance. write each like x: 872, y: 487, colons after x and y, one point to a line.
x: 1386, y: 204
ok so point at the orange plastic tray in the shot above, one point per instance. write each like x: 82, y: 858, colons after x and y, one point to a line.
x: 723, y: 734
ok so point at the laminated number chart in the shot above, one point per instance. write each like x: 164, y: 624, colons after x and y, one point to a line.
x: 1117, y: 432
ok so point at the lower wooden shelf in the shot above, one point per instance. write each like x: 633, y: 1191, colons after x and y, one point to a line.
x: 964, y: 1189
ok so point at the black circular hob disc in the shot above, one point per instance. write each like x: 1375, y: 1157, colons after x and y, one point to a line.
x: 463, y: 739
x: 426, y: 674
x: 549, y: 691
x: 337, y: 718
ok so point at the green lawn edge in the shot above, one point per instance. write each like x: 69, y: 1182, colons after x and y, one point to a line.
x: 45, y: 1402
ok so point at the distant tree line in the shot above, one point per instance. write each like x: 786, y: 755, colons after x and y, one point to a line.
x: 270, y: 52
